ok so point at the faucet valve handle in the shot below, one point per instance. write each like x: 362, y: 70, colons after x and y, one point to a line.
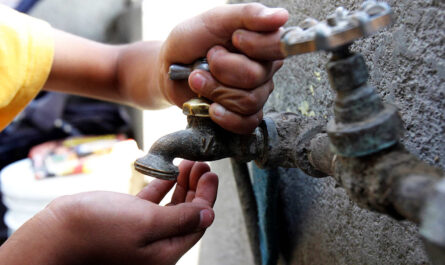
x: 182, y: 72
x: 198, y: 107
x: 339, y: 29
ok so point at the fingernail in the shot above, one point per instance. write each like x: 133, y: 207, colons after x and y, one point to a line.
x: 269, y: 11
x: 206, y: 218
x: 237, y: 38
x: 218, y: 110
x: 197, y: 81
x: 212, y: 52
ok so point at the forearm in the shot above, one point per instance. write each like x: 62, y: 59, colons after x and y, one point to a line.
x: 120, y: 73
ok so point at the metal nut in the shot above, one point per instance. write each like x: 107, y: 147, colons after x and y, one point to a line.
x: 347, y: 74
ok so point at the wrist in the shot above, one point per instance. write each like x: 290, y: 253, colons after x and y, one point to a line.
x: 139, y: 75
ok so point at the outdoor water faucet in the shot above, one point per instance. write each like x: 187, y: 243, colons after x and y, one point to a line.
x: 363, y: 124
x: 202, y: 140
x: 366, y: 157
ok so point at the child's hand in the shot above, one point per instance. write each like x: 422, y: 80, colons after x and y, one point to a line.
x: 113, y: 228
x: 241, y: 43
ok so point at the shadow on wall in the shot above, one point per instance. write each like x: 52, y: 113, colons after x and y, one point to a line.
x: 294, y: 206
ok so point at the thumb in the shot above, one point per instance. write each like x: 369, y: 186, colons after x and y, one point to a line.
x: 192, y: 39
x: 187, y: 226
x: 181, y: 219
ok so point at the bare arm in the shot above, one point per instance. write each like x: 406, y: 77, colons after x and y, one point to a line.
x: 108, y: 72
x: 241, y: 43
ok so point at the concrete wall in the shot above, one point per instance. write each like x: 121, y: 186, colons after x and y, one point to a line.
x: 226, y: 242
x: 319, y: 224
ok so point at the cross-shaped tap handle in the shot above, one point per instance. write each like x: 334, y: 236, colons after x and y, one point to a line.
x: 339, y: 29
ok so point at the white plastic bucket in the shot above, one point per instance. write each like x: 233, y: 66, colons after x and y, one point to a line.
x: 24, y: 196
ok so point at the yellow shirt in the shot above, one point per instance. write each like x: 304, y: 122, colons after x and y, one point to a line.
x: 26, y: 55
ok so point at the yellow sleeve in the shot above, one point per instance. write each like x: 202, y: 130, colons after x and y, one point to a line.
x: 26, y: 55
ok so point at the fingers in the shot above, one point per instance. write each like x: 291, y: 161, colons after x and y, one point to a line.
x: 243, y: 102
x: 207, y: 189
x: 198, y: 170
x: 191, y: 216
x: 243, y: 79
x: 178, y: 227
x: 182, y: 185
x: 234, y: 68
x: 240, y: 86
x: 254, y: 16
x: 216, y: 27
x: 170, y: 250
x: 234, y: 122
x: 183, y: 236
x: 177, y: 220
x: 156, y: 190
x: 237, y: 70
x: 261, y: 46
x: 174, y: 247
x: 196, y: 174
x: 189, y: 174
x: 236, y: 110
x: 202, y: 186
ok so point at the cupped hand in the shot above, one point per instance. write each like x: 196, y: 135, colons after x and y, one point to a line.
x: 241, y: 44
x: 114, y: 228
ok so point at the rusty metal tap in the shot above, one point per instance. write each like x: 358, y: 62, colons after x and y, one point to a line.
x: 339, y: 29
x: 363, y: 124
x: 202, y: 140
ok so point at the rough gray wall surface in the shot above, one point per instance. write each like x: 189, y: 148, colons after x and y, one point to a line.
x: 320, y: 225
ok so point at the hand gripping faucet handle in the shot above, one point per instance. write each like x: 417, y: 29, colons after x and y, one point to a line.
x: 198, y: 107
x: 339, y: 29
x: 182, y: 72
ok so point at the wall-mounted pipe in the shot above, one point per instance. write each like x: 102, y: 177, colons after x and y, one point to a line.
x: 391, y: 181
x: 361, y: 151
x: 288, y: 139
